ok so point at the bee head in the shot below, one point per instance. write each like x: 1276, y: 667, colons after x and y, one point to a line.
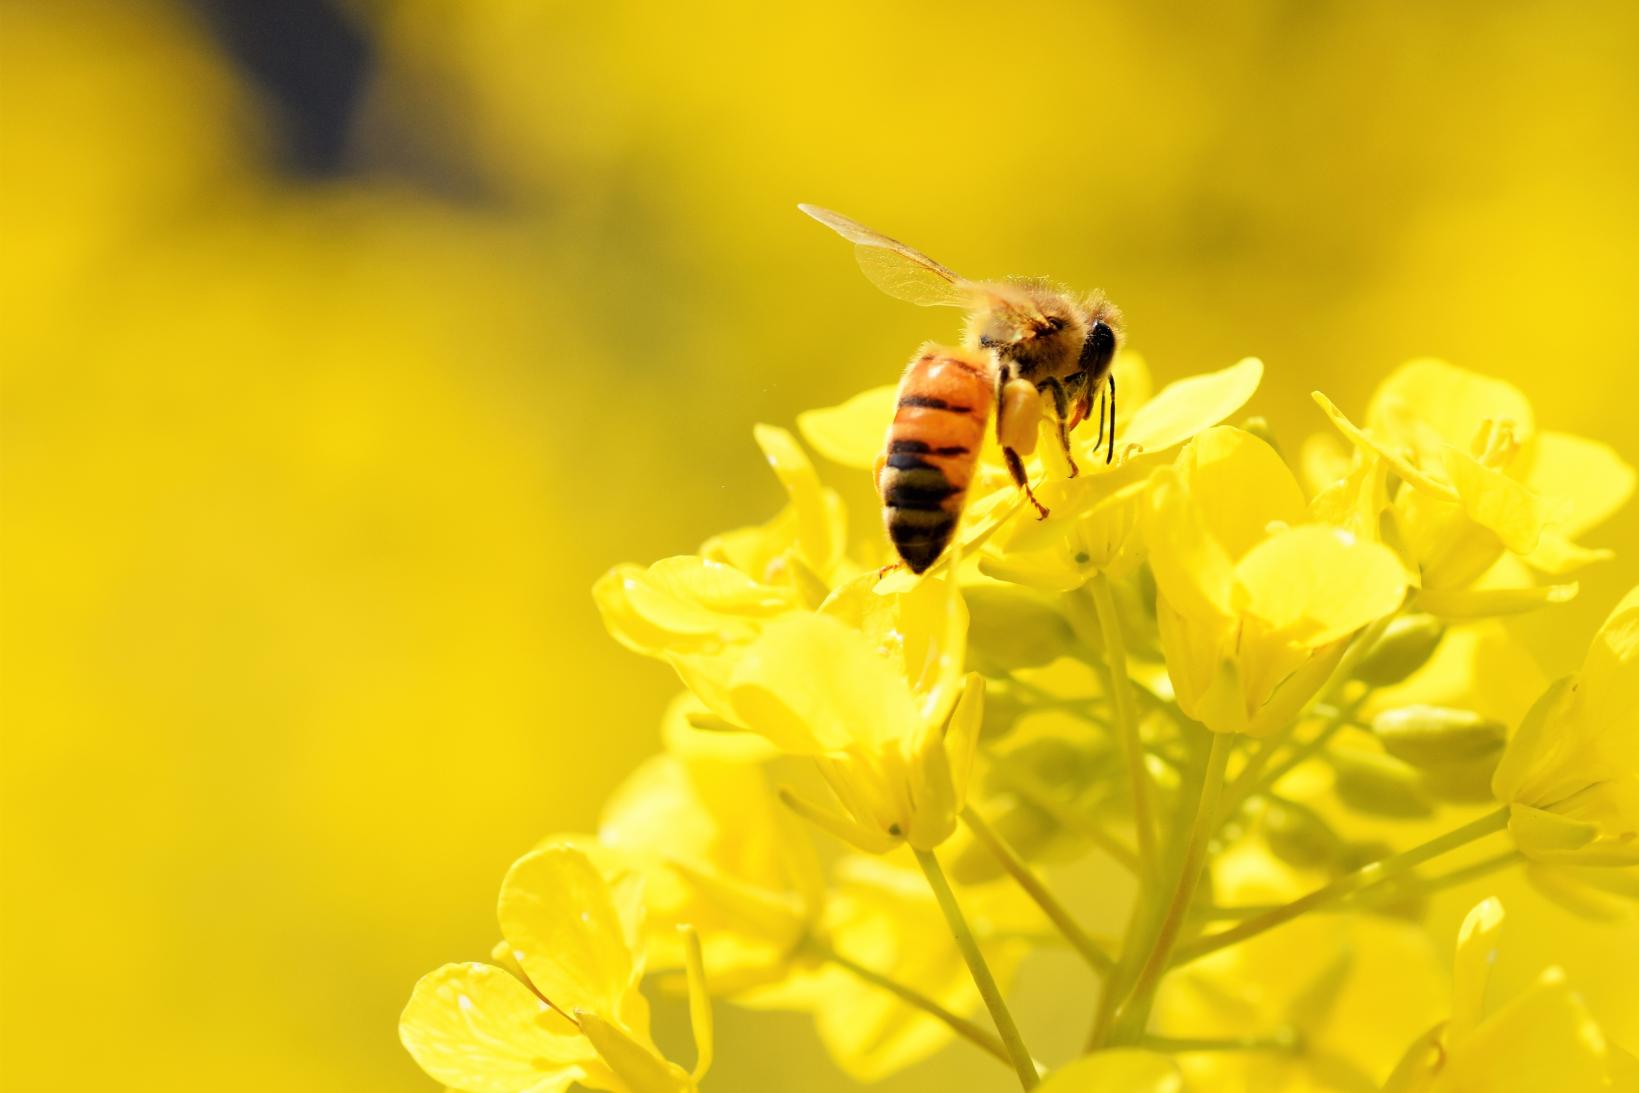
x: 1035, y: 328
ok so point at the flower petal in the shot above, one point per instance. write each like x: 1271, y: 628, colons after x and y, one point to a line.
x: 639, y: 1067
x: 819, y: 538
x: 476, y: 1028
x: 1485, y: 603
x: 1495, y: 501
x: 1316, y: 584
x: 559, y: 917
x: 1542, y: 1039
x: 851, y: 434
x: 1477, y: 943
x: 1191, y: 405
x: 1426, y: 404
x: 684, y: 604
x: 811, y: 684
x: 1398, y: 458
x: 1587, y: 480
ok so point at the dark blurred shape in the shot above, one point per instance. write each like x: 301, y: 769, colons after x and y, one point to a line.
x: 310, y: 60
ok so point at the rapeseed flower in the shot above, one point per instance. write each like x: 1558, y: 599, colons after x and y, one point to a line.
x: 1220, y: 599
x: 1541, y: 1039
x: 1481, y: 481
x: 716, y: 850
x: 568, y: 1007
x: 1255, y: 600
x: 1570, y: 774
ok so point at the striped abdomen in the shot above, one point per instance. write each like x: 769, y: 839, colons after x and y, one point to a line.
x: 945, y: 399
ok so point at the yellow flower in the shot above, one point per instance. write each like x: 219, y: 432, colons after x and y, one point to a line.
x: 1540, y: 1040
x: 717, y: 851
x: 1571, y: 772
x: 871, y: 686
x: 1255, y: 603
x: 569, y: 1010
x: 1481, y: 480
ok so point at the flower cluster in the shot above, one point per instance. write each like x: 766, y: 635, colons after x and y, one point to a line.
x: 1198, y: 689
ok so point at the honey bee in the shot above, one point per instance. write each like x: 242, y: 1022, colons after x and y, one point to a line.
x: 1030, y: 349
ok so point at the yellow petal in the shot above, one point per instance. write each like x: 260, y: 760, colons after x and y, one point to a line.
x: 559, y: 917
x: 1547, y: 836
x: 811, y: 684
x: 635, y: 1063
x: 1477, y: 943
x: 1316, y: 584
x: 851, y: 434
x: 819, y: 539
x: 1542, y: 1039
x: 684, y: 603
x: 1192, y: 567
x: 1118, y: 1070
x: 699, y: 1003
x: 1497, y: 502
x: 476, y: 1028
x: 921, y: 628
x: 962, y: 735
x: 1557, y: 555
x: 1484, y: 603
x: 688, y: 728
x: 1191, y: 405
x: 1239, y: 485
x: 1426, y: 404
x: 1586, y: 480
x: 1357, y: 499
x: 1401, y: 459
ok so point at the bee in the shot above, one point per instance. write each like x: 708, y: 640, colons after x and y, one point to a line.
x: 1030, y: 350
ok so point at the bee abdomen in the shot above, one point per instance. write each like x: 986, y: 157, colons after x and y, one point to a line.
x: 944, y: 401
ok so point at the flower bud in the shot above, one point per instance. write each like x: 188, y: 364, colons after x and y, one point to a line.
x: 1299, y: 837
x: 1379, y: 784
x: 1405, y: 646
x: 1435, y: 736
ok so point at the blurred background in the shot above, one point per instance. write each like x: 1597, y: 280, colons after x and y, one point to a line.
x: 345, y: 344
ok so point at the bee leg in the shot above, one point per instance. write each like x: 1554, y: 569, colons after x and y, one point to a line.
x: 1109, y: 455
x: 1015, y: 467
x: 1061, y: 421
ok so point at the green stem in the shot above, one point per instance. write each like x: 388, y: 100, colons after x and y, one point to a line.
x: 976, y: 966
x: 1133, y: 1014
x: 1033, y: 886
x: 1347, y: 885
x: 1126, y: 722
x: 964, y: 1028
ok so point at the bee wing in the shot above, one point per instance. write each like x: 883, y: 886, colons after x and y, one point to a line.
x: 902, y: 272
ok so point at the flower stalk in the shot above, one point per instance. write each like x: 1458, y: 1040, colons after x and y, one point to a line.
x: 1126, y: 722
x: 1006, y: 1027
x: 1038, y: 891
x: 1364, y: 877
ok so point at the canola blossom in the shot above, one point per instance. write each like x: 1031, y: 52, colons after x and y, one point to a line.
x: 1256, y: 716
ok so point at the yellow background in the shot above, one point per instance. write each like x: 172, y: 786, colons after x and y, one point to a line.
x: 305, y: 482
